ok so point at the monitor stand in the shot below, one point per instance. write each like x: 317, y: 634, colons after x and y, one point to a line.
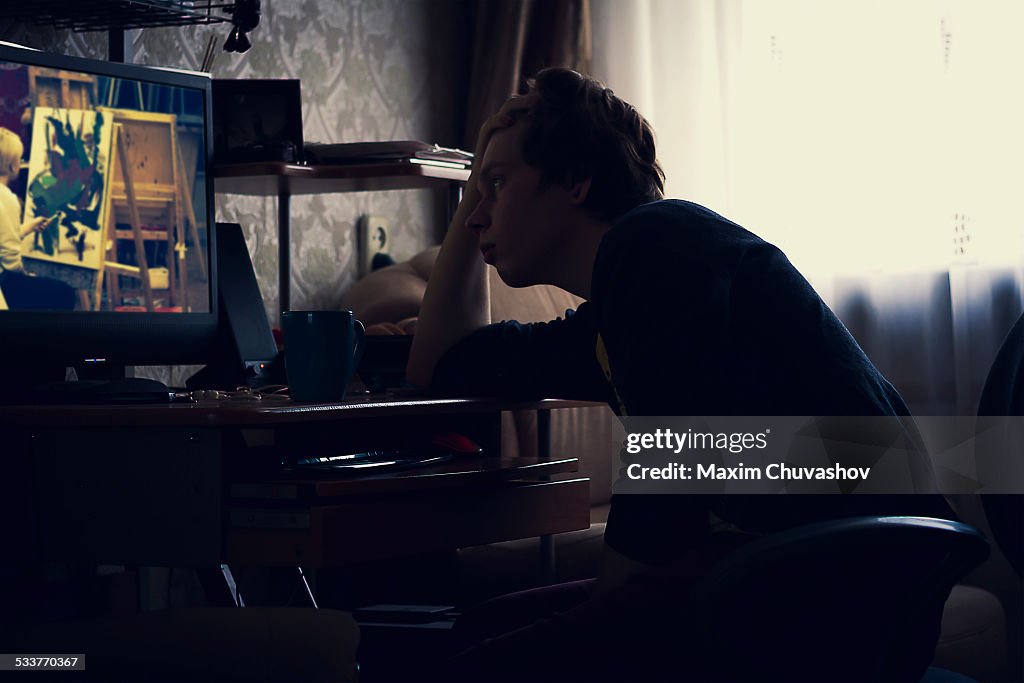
x: 21, y: 379
x: 97, y: 369
x: 101, y: 384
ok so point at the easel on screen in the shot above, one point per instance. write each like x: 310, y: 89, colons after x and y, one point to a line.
x: 60, y: 89
x: 150, y: 192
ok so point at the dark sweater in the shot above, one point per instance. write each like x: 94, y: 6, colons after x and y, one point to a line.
x: 695, y: 316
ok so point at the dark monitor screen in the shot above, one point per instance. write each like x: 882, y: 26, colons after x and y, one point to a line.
x: 105, y: 242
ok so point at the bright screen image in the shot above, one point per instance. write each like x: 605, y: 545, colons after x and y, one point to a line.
x: 103, y: 199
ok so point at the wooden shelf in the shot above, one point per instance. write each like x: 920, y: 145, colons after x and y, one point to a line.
x: 283, y: 180
x: 270, y: 178
x: 404, y: 523
x: 456, y: 473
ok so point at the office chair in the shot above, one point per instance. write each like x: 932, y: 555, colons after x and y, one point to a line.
x: 856, y: 599
x: 1003, y: 394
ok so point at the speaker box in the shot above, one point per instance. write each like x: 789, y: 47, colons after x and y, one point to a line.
x: 246, y: 354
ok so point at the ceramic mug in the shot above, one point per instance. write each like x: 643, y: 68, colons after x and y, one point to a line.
x: 322, y: 350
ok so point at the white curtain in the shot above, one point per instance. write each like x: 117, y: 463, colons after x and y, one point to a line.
x: 879, y: 143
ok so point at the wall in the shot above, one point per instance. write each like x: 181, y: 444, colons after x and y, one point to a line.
x: 370, y: 70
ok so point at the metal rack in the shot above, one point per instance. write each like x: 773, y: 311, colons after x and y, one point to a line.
x: 101, y: 15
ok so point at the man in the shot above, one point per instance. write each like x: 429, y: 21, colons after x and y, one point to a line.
x: 686, y: 313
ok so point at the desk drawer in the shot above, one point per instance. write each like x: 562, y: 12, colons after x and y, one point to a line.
x: 145, y: 496
x: 390, y: 526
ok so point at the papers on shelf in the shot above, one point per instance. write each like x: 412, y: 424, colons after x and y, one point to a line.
x: 437, y: 162
x: 412, y: 151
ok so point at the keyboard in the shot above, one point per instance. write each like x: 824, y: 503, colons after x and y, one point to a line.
x: 365, y: 462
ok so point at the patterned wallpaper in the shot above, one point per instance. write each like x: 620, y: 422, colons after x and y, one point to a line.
x: 370, y: 70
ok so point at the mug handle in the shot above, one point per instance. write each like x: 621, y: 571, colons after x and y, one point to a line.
x: 357, y: 352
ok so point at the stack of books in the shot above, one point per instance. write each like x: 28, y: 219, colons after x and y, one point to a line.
x: 411, y: 151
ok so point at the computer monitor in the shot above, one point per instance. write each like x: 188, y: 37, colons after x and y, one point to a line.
x: 114, y: 257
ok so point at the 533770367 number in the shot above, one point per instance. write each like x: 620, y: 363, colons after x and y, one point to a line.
x: 45, y: 662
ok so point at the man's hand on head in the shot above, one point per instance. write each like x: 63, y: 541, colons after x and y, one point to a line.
x: 457, y: 301
x: 511, y: 111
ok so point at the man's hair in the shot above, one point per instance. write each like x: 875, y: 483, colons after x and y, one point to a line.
x: 10, y: 153
x: 579, y: 130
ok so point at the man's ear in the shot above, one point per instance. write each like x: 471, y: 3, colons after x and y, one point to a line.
x: 578, y: 191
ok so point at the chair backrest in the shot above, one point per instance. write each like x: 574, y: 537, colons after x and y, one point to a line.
x: 1003, y: 394
x: 856, y: 599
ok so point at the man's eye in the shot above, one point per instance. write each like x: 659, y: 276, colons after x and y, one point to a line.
x: 497, y: 182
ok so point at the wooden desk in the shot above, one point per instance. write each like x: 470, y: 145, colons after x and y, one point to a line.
x: 284, y: 180
x: 199, y: 485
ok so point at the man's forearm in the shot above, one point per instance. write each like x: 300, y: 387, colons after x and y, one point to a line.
x: 457, y: 299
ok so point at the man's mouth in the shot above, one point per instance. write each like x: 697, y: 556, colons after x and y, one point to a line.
x: 487, y: 250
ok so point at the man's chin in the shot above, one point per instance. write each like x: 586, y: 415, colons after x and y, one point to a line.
x: 514, y: 278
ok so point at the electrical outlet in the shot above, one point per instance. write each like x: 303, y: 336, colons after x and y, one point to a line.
x: 374, y: 238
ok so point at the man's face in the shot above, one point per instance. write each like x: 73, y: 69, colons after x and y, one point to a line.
x: 521, y: 227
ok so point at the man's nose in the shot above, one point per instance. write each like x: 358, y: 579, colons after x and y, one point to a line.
x: 480, y: 219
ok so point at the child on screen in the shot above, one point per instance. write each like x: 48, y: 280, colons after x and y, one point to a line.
x: 22, y: 290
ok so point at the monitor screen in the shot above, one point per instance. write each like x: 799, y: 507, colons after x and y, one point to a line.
x: 106, y: 203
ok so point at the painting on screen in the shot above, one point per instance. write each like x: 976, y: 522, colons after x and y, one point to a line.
x: 68, y: 179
